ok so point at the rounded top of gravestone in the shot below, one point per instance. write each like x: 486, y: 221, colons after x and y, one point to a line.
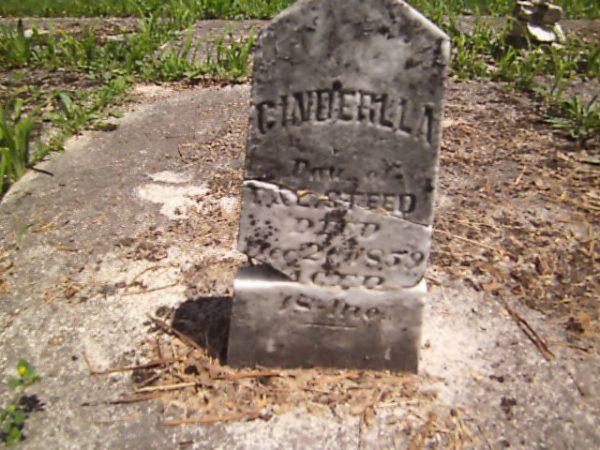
x: 368, y: 44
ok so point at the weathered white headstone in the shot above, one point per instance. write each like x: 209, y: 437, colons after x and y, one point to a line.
x: 341, y: 170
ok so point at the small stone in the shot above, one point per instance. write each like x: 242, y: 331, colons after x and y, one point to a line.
x: 541, y: 34
x: 537, y: 23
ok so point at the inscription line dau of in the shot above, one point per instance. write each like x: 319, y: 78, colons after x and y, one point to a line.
x: 345, y: 105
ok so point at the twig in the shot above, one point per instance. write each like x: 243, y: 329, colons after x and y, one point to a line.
x: 146, y: 270
x: 530, y: 333
x: 214, y: 372
x: 153, y: 378
x: 213, y: 419
x: 62, y: 247
x: 335, y: 379
x: 167, y: 387
x: 172, y: 331
x: 316, y: 391
x: 571, y: 202
x: 125, y: 400
x: 362, y: 424
x: 364, y: 416
x: 147, y: 291
x: 155, y: 346
x: 243, y: 375
x: 419, y: 441
x: 154, y: 363
x: 7, y: 267
x: 48, y: 225
x: 518, y: 180
x: 136, y: 399
x: 45, y: 172
x: 471, y: 241
x: 576, y: 383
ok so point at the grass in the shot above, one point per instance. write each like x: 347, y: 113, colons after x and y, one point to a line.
x: 15, y: 141
x: 546, y: 72
x: 581, y: 120
x: 14, y: 414
x: 573, y: 9
x: 110, y: 67
x: 196, y: 9
x: 103, y: 70
x: 252, y: 9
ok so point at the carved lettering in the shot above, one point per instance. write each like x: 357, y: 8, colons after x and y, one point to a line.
x: 324, y: 105
x: 331, y: 174
x: 266, y: 121
x: 426, y: 125
x: 347, y: 281
x: 301, y: 104
x: 377, y: 258
x: 303, y: 225
x: 404, y: 114
x: 395, y: 204
x: 329, y: 312
x: 348, y: 106
x: 398, y: 115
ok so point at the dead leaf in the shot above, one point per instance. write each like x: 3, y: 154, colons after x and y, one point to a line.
x: 4, y: 286
x: 492, y: 286
x: 589, y: 159
x: 541, y: 266
x: 70, y: 292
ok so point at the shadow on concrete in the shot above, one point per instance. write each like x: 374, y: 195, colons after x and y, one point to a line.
x: 206, y: 320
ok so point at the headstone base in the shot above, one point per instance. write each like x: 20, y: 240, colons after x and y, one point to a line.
x: 280, y: 323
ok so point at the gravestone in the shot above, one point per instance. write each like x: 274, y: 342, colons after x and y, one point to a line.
x: 337, y: 202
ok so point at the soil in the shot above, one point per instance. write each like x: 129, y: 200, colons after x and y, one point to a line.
x: 527, y: 206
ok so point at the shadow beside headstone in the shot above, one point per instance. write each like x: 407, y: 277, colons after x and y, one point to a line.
x: 206, y: 321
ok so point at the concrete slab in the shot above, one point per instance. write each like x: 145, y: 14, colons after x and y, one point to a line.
x: 145, y: 217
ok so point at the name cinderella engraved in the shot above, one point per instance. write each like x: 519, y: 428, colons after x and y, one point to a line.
x: 338, y: 105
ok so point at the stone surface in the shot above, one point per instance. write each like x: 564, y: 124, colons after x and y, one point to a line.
x: 341, y: 169
x: 314, y: 239
x: 541, y: 34
x: 537, y: 22
x: 542, y: 13
x: 346, y: 110
x: 287, y: 324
